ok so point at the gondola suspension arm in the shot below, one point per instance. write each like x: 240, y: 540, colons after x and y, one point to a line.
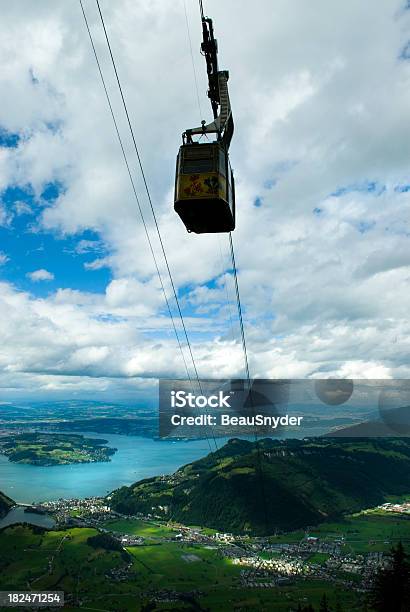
x: 218, y: 93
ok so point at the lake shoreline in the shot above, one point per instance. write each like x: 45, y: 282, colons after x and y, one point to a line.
x: 137, y: 457
x: 18, y: 514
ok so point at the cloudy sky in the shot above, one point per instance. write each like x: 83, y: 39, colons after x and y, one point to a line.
x: 321, y: 153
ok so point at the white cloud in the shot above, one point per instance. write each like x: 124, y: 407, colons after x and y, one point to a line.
x: 40, y: 275
x: 22, y: 208
x: 3, y: 258
x: 97, y: 264
x: 88, y: 246
x: 320, y: 99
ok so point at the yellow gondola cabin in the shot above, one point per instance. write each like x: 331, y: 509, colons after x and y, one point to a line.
x: 204, y: 188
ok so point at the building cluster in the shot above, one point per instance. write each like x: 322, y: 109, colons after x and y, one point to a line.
x: 403, y: 508
x: 296, y: 560
x: 79, y: 512
x: 280, y: 566
x: 121, y: 573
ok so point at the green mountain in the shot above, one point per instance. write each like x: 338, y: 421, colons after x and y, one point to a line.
x: 275, y: 485
x: 5, y: 504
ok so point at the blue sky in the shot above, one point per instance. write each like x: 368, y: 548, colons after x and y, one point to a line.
x: 29, y: 248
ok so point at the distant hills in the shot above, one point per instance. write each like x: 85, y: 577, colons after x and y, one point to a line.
x: 5, y: 504
x: 81, y: 415
x: 280, y: 485
x: 390, y: 423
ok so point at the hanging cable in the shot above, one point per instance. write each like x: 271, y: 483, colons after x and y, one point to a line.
x: 238, y: 299
x: 151, y: 204
x: 137, y: 199
x: 147, y: 191
x: 201, y: 9
x: 227, y: 298
x: 133, y: 188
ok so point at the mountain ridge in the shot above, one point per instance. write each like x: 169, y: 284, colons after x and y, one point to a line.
x: 274, y: 485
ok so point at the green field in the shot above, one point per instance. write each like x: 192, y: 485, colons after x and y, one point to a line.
x: 204, y: 530
x: 54, y: 559
x: 181, y: 566
x: 318, y: 558
x: 363, y: 533
x: 281, y: 599
x: 144, y: 529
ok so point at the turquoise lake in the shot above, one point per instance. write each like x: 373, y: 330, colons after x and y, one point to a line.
x: 136, y: 458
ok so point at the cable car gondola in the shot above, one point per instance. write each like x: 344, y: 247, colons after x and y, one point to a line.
x: 204, y: 189
x: 204, y: 183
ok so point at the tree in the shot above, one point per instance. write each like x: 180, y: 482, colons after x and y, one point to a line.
x: 390, y: 591
x: 148, y: 607
x: 323, y: 604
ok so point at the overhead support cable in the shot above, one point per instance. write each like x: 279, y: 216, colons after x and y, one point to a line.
x: 134, y: 189
x: 150, y: 202
x: 228, y: 300
x: 238, y: 299
x: 147, y: 191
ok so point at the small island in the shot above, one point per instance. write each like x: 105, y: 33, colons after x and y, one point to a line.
x: 37, y: 448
